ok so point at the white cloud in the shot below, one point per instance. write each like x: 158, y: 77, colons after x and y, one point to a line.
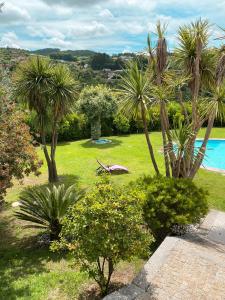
x: 44, y: 31
x: 58, y: 43
x: 73, y: 2
x: 99, y: 24
x: 10, y: 39
x: 106, y: 13
x: 12, y: 13
x: 85, y: 30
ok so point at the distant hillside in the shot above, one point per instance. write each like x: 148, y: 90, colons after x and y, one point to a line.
x: 46, y: 51
x: 10, y: 57
x: 53, y: 51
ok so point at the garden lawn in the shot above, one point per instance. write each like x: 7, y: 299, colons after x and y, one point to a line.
x: 30, y: 272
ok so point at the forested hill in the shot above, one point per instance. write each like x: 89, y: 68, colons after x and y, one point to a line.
x: 56, y: 51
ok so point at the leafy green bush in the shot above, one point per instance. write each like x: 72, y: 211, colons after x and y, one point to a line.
x: 170, y: 202
x: 74, y: 127
x: 104, y: 228
x: 45, y: 207
x: 121, y: 123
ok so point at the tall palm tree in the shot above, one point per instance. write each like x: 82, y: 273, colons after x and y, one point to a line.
x: 196, y: 68
x: 157, y: 65
x: 49, y: 91
x: 62, y: 95
x: 135, y: 90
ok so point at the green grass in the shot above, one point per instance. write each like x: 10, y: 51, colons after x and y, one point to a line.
x: 31, y: 272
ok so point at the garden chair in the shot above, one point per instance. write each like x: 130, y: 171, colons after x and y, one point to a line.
x: 114, y: 169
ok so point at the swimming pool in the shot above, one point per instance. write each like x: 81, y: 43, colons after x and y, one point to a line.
x: 215, y: 154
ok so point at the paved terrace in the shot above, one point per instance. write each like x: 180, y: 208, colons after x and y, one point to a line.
x: 188, y: 268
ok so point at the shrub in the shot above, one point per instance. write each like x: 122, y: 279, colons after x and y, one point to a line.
x: 74, y: 127
x: 171, y: 202
x: 104, y: 228
x: 45, y: 207
x: 121, y: 123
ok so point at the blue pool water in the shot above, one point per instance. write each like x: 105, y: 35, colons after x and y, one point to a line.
x: 101, y: 141
x: 215, y: 154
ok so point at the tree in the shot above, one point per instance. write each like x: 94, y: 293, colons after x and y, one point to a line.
x: 45, y: 207
x: 135, y: 91
x: 97, y: 102
x: 49, y: 91
x: 104, y: 228
x: 18, y: 155
x: 204, y: 77
x: 100, y: 61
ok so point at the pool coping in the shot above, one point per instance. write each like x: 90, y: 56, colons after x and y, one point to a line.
x: 215, y: 139
x: 213, y: 169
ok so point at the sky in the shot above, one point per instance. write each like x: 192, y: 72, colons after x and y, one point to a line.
x: 111, y: 26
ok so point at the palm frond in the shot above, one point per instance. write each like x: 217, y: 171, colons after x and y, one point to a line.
x: 134, y: 90
x: 45, y: 206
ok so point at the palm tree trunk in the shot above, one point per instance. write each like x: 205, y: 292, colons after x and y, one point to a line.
x: 184, y: 110
x: 165, y: 148
x: 47, y: 157
x: 53, y: 150
x: 150, y: 148
x: 202, y: 150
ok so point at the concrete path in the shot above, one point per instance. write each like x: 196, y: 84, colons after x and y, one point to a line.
x: 188, y: 268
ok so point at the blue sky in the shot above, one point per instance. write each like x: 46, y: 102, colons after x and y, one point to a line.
x: 110, y: 26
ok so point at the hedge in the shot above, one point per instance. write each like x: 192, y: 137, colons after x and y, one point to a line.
x: 76, y: 126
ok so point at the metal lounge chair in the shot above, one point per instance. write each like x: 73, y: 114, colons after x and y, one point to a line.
x: 114, y: 169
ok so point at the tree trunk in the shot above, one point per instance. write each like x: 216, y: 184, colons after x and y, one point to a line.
x: 47, y: 157
x: 165, y: 148
x: 54, y: 177
x: 110, y: 272
x: 202, y: 150
x: 150, y: 148
x: 184, y: 110
x: 96, y: 129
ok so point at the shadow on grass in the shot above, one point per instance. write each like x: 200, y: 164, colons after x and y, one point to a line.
x: 19, y: 259
x: 90, y: 144
x: 93, y: 291
x: 67, y: 179
x: 20, y: 253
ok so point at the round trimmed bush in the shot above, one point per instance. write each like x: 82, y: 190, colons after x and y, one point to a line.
x: 171, y: 202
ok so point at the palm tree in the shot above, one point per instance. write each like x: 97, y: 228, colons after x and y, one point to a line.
x: 62, y: 95
x: 215, y: 107
x: 196, y: 68
x: 157, y: 65
x: 193, y: 56
x: 135, y: 90
x: 49, y: 91
x: 44, y: 207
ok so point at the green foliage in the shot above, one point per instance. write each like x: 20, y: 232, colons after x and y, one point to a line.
x: 73, y: 127
x: 52, y: 51
x: 104, y: 228
x: 101, y: 61
x: 45, y: 207
x: 49, y: 91
x: 18, y: 155
x: 97, y: 103
x: 134, y: 90
x: 185, y: 54
x: 121, y: 123
x: 170, y: 202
